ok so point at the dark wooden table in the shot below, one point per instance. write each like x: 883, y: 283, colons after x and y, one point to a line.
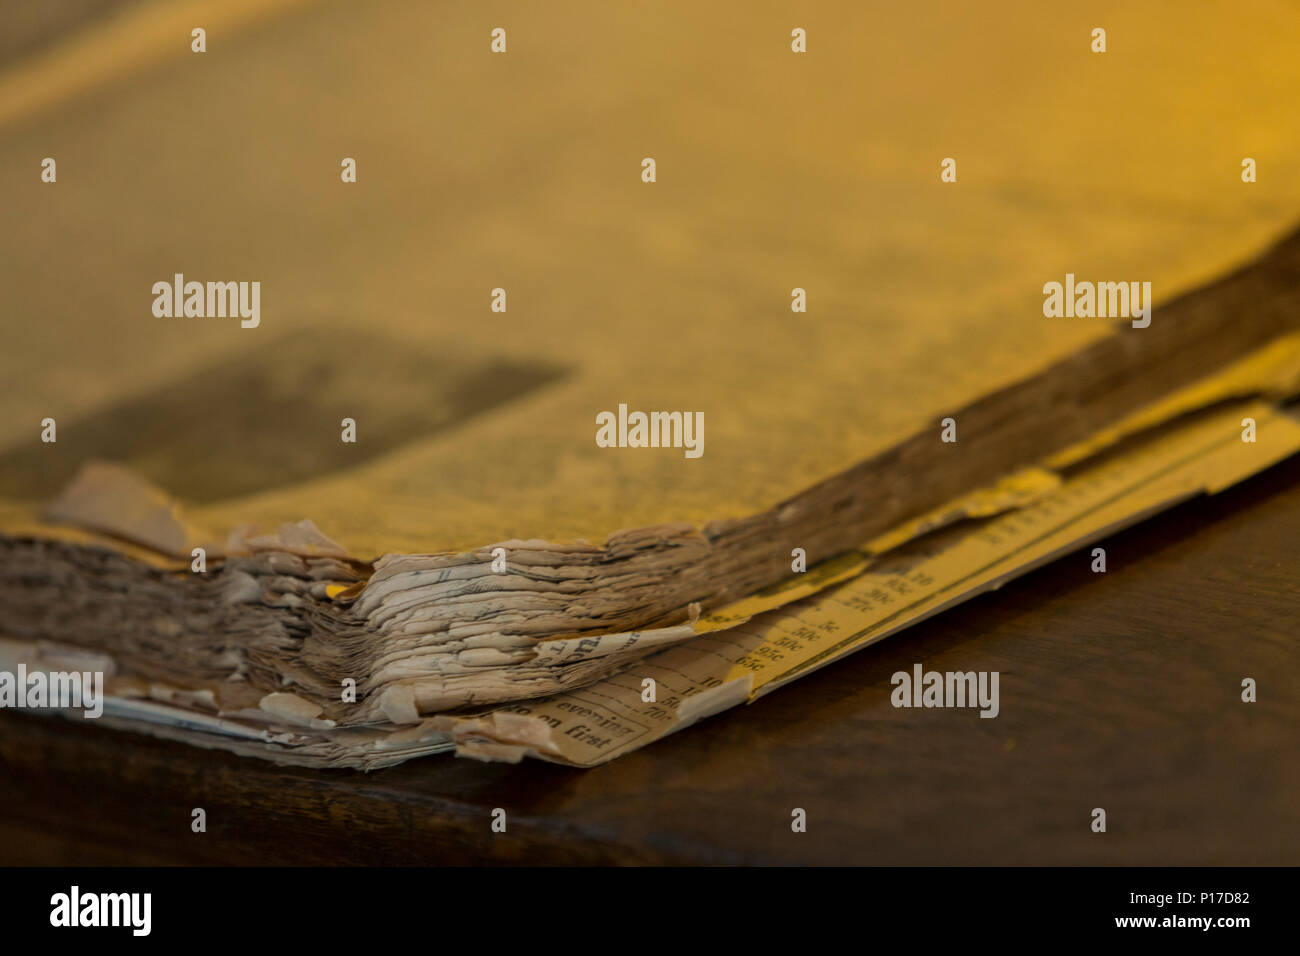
x: 1119, y: 690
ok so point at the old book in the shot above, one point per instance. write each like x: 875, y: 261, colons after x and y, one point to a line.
x: 480, y: 313
x: 665, y: 679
